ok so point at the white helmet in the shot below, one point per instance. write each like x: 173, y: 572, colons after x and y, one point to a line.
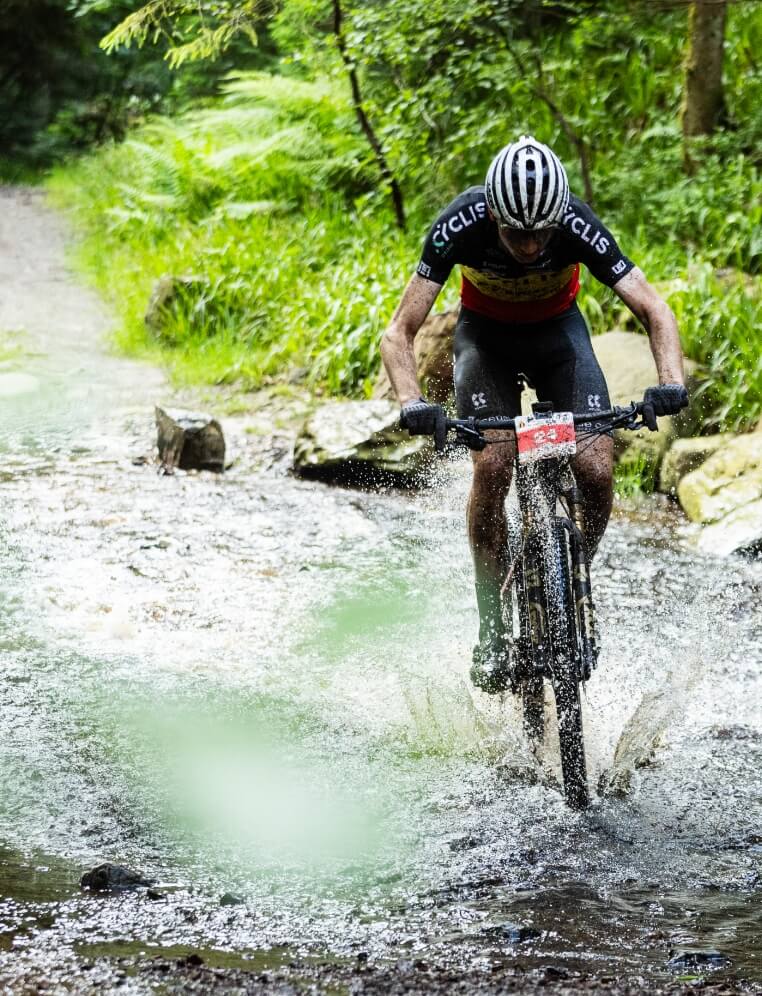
x: 526, y: 185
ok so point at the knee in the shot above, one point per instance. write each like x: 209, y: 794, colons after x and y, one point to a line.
x: 597, y: 478
x: 595, y: 471
x: 493, y: 470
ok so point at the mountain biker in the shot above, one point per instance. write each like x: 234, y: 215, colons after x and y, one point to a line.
x: 519, y: 240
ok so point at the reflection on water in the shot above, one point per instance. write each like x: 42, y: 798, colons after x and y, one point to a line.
x: 254, y: 684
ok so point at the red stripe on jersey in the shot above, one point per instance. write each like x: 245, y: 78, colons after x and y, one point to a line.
x: 519, y: 311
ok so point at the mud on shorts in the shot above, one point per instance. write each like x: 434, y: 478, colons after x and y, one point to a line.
x: 555, y: 354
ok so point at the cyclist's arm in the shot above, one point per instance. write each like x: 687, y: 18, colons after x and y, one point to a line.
x: 397, y: 342
x: 658, y: 320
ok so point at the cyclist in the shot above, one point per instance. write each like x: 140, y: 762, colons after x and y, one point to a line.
x: 519, y: 240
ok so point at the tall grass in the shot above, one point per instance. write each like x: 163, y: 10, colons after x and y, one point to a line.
x: 260, y: 199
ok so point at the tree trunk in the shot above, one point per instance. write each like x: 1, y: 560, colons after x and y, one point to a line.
x: 703, y: 97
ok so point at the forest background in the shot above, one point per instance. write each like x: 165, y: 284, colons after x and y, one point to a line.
x: 285, y: 158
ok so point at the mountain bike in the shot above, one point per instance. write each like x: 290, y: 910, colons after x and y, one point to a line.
x: 547, y: 593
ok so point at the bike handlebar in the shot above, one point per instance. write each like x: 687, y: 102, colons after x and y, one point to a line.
x: 627, y: 416
x: 470, y: 430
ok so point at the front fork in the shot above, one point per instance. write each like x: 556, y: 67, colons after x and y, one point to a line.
x: 534, y: 642
x: 582, y: 588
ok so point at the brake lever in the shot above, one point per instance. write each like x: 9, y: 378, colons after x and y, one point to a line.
x: 470, y: 437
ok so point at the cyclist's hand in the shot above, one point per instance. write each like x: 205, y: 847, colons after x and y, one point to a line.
x: 666, y: 399
x: 422, y: 419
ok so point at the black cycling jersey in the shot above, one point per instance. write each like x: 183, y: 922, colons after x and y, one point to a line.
x: 495, y: 284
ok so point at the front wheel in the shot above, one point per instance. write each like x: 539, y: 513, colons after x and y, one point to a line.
x: 565, y: 669
x: 571, y: 740
x: 528, y: 679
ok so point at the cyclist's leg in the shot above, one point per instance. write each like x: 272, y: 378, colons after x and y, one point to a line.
x: 568, y: 374
x: 594, y: 470
x: 487, y: 531
x: 486, y: 385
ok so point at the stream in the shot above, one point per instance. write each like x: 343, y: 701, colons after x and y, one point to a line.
x: 252, y: 687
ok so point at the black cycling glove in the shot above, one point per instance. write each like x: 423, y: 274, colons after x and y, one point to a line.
x: 422, y: 419
x: 666, y: 399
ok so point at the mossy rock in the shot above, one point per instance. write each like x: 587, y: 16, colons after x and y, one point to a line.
x: 738, y: 532
x: 686, y: 455
x: 729, y: 480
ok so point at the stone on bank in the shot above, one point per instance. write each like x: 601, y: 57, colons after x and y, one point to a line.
x: 725, y: 482
x: 359, y: 442
x: 725, y: 494
x: 685, y: 456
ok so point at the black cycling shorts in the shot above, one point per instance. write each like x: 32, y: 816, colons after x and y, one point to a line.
x: 555, y: 355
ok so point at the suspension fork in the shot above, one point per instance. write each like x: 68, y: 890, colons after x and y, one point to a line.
x: 581, y: 584
x: 537, y: 499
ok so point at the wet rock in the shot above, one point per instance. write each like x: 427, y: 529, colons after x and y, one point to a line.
x: 738, y: 532
x: 685, y: 456
x: 190, y: 441
x: 231, y: 899
x: 191, y: 961
x: 712, y: 960
x: 112, y: 878
x: 433, y: 354
x: 359, y: 442
x: 464, y: 843
x: 509, y: 933
x: 725, y: 494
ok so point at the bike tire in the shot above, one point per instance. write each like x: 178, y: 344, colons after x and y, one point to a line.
x: 530, y: 685
x: 533, y: 710
x: 566, y: 678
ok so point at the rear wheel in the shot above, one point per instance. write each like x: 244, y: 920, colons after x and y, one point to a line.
x: 566, y: 678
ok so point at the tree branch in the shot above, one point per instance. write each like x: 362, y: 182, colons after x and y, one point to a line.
x: 362, y: 117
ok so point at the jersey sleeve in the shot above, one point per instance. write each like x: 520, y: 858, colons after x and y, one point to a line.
x: 595, y: 246
x: 438, y: 253
x: 455, y: 227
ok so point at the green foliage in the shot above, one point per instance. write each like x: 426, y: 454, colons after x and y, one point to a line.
x: 192, y: 30
x: 635, y: 473
x: 236, y: 196
x: 720, y: 316
x: 60, y: 93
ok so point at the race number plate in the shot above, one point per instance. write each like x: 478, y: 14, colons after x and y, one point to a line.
x: 545, y: 438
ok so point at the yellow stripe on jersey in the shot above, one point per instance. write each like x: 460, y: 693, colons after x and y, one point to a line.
x: 532, y: 287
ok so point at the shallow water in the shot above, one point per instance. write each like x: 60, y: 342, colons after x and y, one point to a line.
x: 254, y: 685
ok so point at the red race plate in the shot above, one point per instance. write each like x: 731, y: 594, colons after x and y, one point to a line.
x: 545, y: 438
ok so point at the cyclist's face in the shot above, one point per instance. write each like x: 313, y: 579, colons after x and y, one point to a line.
x: 525, y: 247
